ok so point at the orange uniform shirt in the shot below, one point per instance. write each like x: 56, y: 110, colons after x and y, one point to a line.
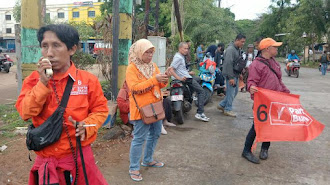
x: 137, y: 82
x: 86, y: 103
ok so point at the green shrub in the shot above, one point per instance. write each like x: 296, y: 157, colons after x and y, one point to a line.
x: 83, y: 60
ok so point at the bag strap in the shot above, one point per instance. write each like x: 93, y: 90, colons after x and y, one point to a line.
x: 269, y: 67
x: 135, y: 102
x: 67, y: 92
x: 82, y: 159
x: 153, y: 111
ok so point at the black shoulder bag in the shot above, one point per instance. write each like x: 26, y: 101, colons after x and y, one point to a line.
x: 239, y: 64
x: 50, y: 131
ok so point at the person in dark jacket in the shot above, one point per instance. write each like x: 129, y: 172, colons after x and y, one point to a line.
x: 232, y: 53
x: 218, y: 55
x: 260, y: 75
x: 219, y: 79
x: 212, y: 50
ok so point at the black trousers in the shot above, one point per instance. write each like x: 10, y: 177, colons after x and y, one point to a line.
x: 167, y: 108
x: 250, y: 139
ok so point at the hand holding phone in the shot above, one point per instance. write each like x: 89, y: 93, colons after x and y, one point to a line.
x: 49, y: 72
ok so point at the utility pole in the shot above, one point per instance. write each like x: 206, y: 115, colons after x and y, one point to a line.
x: 219, y: 3
x: 146, y: 17
x: 18, y: 57
x: 124, y: 40
x: 115, y: 49
x: 32, y: 15
x: 157, y: 17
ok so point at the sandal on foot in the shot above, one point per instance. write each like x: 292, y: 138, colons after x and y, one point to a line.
x: 134, y: 174
x: 160, y: 164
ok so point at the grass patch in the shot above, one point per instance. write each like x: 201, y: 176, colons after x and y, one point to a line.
x: 310, y: 64
x: 9, y: 120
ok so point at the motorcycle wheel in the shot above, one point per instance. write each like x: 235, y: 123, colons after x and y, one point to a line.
x: 208, y: 94
x: 297, y: 73
x: 7, y: 69
x: 179, y: 116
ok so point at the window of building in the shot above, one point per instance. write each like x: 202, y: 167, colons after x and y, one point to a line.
x: 75, y: 14
x: 60, y: 15
x: 8, y: 17
x: 91, y: 13
x: 8, y: 30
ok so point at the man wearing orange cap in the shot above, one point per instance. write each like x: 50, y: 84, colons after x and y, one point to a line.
x: 266, y: 73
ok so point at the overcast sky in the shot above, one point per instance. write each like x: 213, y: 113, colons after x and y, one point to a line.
x: 243, y: 9
x: 246, y: 9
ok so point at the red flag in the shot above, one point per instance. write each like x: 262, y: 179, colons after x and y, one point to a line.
x: 279, y: 116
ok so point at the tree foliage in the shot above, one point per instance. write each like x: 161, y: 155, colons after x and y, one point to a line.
x: 309, y: 18
x: 85, y: 30
x: 205, y: 23
x: 17, y: 11
x: 249, y: 29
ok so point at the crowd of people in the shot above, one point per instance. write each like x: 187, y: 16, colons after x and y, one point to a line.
x: 87, y: 107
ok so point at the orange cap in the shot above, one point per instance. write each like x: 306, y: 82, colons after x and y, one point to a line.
x: 267, y: 42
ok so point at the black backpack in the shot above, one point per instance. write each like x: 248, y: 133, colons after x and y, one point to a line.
x: 324, y: 58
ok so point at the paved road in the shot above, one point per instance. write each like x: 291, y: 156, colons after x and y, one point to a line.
x: 8, y: 86
x: 210, y: 153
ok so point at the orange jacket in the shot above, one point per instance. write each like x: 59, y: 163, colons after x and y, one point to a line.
x: 86, y: 103
x: 146, y: 87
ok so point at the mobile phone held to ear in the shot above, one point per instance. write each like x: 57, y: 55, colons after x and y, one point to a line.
x: 49, y: 72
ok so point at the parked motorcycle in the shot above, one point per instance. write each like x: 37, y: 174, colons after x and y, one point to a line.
x: 293, y: 68
x: 207, y: 77
x: 207, y: 83
x: 181, y: 100
x: 5, y: 63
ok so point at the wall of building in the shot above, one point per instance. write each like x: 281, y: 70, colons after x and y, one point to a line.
x: 7, y: 28
x: 83, y: 11
x: 88, y: 10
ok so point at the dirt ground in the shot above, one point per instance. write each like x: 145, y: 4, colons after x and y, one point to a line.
x: 15, y: 164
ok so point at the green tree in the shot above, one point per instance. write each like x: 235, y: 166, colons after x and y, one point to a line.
x: 205, y: 23
x: 85, y: 30
x: 106, y: 7
x: 17, y: 11
x: 310, y: 18
x: 249, y: 29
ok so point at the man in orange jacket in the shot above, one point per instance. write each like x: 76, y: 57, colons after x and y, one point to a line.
x: 86, y: 107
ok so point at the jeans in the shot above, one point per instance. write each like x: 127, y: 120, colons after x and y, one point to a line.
x: 324, y: 67
x: 141, y: 133
x: 231, y: 93
x: 195, y: 86
x: 250, y: 139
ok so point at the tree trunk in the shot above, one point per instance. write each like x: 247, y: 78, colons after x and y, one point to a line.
x: 146, y: 17
x: 173, y: 27
x: 156, y: 17
x: 178, y: 18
